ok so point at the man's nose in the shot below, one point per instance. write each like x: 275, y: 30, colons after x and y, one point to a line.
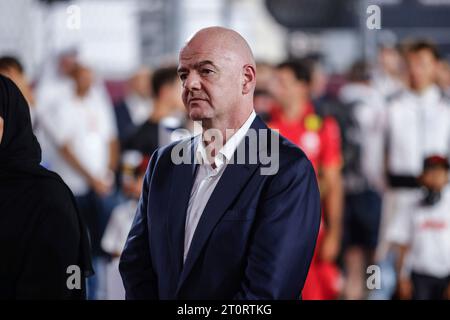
x: 192, y: 82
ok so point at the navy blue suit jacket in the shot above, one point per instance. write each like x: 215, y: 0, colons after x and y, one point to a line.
x: 255, y: 238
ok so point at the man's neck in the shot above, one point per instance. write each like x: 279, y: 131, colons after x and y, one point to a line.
x: 295, y: 110
x: 81, y: 93
x: 226, y: 127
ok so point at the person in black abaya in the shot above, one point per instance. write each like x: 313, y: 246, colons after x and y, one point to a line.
x: 44, y: 245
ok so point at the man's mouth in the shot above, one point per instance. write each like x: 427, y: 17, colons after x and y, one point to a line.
x: 195, y: 100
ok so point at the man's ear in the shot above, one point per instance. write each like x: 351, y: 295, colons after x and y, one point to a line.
x: 249, y: 78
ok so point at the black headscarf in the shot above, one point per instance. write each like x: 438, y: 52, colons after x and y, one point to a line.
x: 20, y: 157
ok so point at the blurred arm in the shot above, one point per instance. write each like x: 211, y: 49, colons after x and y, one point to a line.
x: 332, y: 195
x: 333, y: 203
x: 114, y: 151
x: 404, y: 284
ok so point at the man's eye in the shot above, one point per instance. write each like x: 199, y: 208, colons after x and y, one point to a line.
x: 206, y: 71
x: 182, y: 76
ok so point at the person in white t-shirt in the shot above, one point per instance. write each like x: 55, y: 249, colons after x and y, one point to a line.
x: 54, y: 84
x: 421, y: 231
x: 83, y: 128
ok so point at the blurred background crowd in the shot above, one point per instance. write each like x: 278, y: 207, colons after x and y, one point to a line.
x: 370, y: 108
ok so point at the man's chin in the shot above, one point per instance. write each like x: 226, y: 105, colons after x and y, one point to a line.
x: 195, y: 115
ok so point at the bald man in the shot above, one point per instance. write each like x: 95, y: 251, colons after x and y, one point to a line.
x: 233, y: 212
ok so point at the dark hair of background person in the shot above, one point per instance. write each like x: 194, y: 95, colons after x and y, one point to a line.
x: 359, y: 72
x: 162, y: 77
x: 301, y: 70
x: 420, y: 45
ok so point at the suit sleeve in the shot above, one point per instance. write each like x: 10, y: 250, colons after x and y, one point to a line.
x: 135, y: 266
x: 284, y: 236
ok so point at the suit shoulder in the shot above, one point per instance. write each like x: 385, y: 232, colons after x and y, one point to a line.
x: 292, y: 166
x: 289, y: 152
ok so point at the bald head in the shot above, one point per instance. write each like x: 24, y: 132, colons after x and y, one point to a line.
x: 217, y: 69
x: 226, y: 40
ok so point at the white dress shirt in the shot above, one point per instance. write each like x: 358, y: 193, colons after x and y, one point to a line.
x: 207, y: 178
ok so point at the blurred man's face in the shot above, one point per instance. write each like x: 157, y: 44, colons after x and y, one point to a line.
x: 83, y: 79
x: 1, y: 129
x: 171, y: 94
x: 132, y: 187
x: 140, y: 83
x: 422, y: 67
x: 265, y: 76
x: 211, y: 80
x: 286, y: 88
x: 263, y: 103
x: 67, y: 64
x: 435, y: 178
x: 390, y: 60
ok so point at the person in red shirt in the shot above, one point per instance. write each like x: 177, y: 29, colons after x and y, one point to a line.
x: 320, y: 139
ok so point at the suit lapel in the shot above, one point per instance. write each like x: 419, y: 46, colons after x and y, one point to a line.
x: 227, y: 189
x: 229, y: 186
x: 182, y: 181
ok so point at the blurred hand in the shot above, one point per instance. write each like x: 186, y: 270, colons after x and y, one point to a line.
x: 101, y: 187
x: 405, y: 289
x: 330, y: 248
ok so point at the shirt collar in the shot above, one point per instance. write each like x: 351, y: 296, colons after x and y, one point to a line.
x: 226, y: 152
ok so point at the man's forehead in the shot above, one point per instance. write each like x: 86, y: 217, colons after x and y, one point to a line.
x: 191, y: 58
